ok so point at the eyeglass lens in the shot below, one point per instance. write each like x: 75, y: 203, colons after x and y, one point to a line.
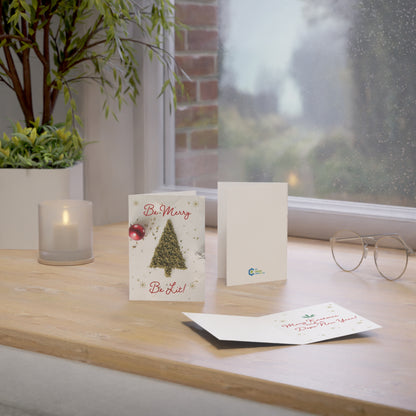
x: 390, y: 256
x: 347, y: 250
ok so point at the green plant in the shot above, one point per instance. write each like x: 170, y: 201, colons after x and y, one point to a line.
x: 40, y: 146
x: 73, y: 40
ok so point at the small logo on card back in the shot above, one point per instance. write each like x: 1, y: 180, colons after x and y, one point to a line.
x: 254, y: 271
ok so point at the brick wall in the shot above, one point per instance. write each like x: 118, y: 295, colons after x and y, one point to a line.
x: 196, y: 50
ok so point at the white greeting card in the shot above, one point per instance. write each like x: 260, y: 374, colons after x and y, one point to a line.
x: 300, y: 326
x: 252, y: 232
x: 167, y: 247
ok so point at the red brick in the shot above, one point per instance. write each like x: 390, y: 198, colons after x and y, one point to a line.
x: 196, y: 15
x: 196, y: 116
x: 180, y: 40
x: 194, y: 164
x: 202, y: 40
x: 204, y: 139
x: 189, y: 93
x: 197, y: 65
x: 180, y: 142
x: 208, y: 181
x: 197, y: 124
x: 208, y: 90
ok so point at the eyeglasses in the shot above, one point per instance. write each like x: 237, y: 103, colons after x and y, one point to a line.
x: 391, y: 253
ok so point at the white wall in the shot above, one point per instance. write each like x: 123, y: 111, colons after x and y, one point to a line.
x: 109, y: 174
x: 127, y: 156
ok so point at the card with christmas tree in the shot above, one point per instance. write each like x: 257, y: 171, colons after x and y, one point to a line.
x: 167, y: 247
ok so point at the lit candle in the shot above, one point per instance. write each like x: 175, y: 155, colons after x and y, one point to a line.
x: 65, y: 234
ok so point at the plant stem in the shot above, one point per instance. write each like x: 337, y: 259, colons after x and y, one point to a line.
x: 14, y: 77
x: 47, y: 105
x: 27, y: 82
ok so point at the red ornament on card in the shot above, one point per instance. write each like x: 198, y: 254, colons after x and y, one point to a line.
x: 136, y: 232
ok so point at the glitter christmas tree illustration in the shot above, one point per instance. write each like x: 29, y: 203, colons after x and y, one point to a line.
x: 168, y: 255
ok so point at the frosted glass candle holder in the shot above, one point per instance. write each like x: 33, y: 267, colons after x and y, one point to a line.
x: 65, y: 232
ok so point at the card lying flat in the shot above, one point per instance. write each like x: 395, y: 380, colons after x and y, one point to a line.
x: 300, y: 326
x: 252, y: 232
x: 167, y: 247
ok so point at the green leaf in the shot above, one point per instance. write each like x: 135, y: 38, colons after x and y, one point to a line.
x: 33, y: 135
x: 66, y: 95
x: 53, y: 147
x: 78, y: 120
x: 23, y: 138
x: 77, y: 25
x: 4, y: 153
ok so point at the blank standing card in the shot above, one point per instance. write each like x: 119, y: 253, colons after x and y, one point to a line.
x: 252, y: 232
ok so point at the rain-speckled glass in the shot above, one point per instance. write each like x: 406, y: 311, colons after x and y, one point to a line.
x: 320, y: 94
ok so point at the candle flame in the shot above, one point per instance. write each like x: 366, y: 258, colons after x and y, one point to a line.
x: 65, y: 217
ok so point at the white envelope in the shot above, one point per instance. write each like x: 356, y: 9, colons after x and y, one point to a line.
x: 252, y: 232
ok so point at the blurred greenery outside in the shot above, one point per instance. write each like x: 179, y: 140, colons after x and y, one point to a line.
x: 368, y: 152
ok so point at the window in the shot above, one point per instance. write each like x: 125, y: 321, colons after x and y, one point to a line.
x: 319, y: 94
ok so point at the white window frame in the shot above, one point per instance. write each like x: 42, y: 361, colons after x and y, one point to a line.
x: 321, y: 218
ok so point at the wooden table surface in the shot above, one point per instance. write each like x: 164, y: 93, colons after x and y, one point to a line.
x: 83, y: 313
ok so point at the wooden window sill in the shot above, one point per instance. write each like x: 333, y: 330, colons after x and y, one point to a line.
x: 83, y: 313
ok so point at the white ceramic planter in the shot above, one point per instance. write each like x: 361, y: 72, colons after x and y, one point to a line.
x: 21, y: 190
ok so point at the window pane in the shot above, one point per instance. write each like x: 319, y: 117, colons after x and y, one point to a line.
x: 321, y: 94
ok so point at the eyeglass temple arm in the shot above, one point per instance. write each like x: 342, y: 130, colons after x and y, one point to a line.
x: 409, y: 250
x: 345, y: 238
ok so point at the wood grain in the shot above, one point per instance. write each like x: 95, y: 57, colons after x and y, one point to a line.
x: 83, y: 313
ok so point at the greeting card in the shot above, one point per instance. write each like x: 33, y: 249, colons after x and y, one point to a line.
x: 167, y: 247
x: 300, y: 326
x: 252, y: 232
